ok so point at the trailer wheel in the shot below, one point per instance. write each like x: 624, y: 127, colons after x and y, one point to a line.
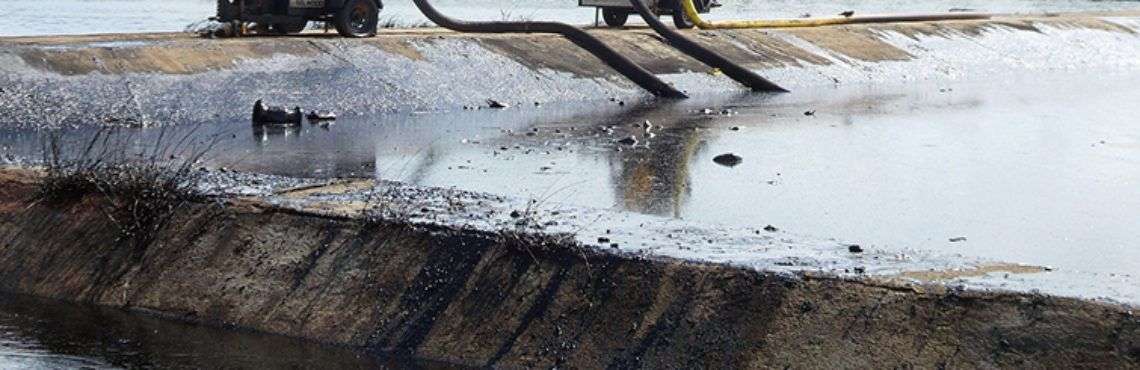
x: 358, y: 18
x: 680, y: 19
x: 288, y: 28
x: 615, y: 17
x: 227, y: 11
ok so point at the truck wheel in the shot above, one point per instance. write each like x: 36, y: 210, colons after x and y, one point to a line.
x: 615, y: 17
x: 358, y: 18
x: 681, y: 20
x: 227, y: 11
x: 288, y: 28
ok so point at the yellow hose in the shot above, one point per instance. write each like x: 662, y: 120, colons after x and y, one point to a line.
x: 695, y: 16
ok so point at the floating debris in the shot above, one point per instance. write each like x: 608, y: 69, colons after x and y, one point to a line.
x: 323, y: 115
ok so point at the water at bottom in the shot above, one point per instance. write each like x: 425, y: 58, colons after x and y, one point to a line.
x: 45, y: 334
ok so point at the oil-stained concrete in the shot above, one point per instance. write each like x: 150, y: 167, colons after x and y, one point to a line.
x: 179, y: 78
x: 520, y: 300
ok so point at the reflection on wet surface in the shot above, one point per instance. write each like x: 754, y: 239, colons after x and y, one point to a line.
x: 1039, y: 172
x: 43, y: 334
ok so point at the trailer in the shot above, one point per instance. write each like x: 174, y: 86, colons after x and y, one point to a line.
x: 616, y: 12
x: 352, y: 18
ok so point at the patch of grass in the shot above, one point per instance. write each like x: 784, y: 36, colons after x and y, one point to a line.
x: 142, y: 188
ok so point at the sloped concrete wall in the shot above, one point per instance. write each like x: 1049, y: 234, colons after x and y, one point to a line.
x: 524, y: 301
x: 178, y: 78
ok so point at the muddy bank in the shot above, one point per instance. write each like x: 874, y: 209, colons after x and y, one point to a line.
x: 480, y: 298
x: 177, y: 78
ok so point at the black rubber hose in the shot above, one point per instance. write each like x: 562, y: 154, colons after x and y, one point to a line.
x: 703, y: 54
x: 623, y: 65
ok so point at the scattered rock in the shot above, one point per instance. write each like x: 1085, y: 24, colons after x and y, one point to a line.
x: 855, y: 248
x: 631, y: 140
x: 809, y: 113
x: 516, y: 214
x: 728, y: 159
x: 603, y: 240
x: 497, y: 104
x: 735, y: 128
x: 771, y: 229
x: 958, y: 239
x: 860, y: 270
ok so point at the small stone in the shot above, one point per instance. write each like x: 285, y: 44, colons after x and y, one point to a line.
x: 860, y: 270
x: 728, y: 159
x: 614, y: 245
x: 631, y: 140
x: 855, y: 248
x: 809, y: 113
x: 771, y: 229
x: 516, y: 214
x: 958, y: 239
x: 497, y: 104
x: 603, y: 240
x: 735, y: 128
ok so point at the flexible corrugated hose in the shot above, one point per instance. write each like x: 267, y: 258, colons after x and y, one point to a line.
x: 620, y: 63
x: 703, y: 54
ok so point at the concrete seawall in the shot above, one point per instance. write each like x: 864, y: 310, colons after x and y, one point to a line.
x: 178, y: 78
x: 478, y: 298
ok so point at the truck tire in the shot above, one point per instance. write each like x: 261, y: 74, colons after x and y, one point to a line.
x: 357, y: 18
x: 615, y: 17
x: 227, y: 11
x: 680, y: 19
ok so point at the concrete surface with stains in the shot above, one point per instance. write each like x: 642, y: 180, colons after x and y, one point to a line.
x: 179, y: 79
x: 912, y: 166
x: 439, y: 287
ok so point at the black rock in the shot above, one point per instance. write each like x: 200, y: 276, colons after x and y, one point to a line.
x: 855, y: 248
x: 809, y: 113
x: 515, y: 214
x: 497, y: 104
x: 728, y: 159
x: 771, y: 229
x: 958, y: 239
x: 603, y: 240
x: 266, y: 114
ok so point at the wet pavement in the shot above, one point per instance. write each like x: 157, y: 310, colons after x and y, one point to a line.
x: 26, y: 17
x: 1031, y: 171
x: 44, y: 334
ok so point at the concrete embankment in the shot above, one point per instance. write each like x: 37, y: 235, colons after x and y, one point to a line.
x: 179, y: 78
x: 513, y: 300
